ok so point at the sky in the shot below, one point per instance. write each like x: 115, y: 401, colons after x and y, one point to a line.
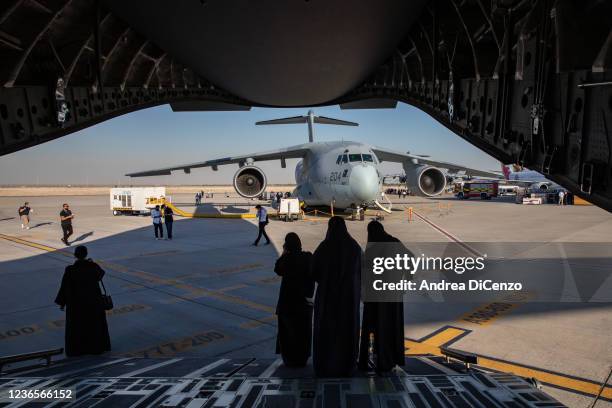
x: 157, y: 137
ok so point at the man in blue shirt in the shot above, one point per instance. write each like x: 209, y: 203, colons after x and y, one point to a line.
x: 262, y: 218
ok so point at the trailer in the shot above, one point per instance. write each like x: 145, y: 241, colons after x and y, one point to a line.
x: 289, y: 209
x: 135, y: 200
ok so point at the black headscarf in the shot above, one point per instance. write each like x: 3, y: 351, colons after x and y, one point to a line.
x: 336, y: 229
x: 377, y: 233
x: 292, y: 243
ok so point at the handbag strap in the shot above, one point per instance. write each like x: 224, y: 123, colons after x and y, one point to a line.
x: 103, y: 288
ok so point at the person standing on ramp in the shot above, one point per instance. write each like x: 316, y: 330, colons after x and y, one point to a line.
x: 168, y: 220
x: 337, y: 270
x: 157, y: 223
x: 294, y: 310
x: 81, y: 297
x: 383, y: 321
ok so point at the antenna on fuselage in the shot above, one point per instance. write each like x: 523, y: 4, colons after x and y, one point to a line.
x: 309, y: 119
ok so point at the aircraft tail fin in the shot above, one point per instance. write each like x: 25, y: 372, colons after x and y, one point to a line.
x: 309, y: 119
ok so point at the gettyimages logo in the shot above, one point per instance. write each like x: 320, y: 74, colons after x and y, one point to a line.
x: 412, y: 264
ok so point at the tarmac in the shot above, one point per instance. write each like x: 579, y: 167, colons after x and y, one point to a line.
x: 209, y: 294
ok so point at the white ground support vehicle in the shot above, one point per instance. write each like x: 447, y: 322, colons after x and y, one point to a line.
x: 135, y: 200
x: 289, y: 209
x: 507, y: 190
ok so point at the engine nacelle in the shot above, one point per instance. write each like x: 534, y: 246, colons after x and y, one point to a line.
x: 250, y: 181
x: 543, y: 186
x: 425, y: 180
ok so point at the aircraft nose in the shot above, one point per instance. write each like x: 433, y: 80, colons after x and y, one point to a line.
x: 364, y: 183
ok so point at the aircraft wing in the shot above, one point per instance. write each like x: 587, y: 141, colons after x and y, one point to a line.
x: 293, y: 152
x: 398, y: 157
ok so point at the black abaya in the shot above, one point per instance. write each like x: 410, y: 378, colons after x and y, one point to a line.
x: 337, y: 271
x: 385, y: 320
x: 86, y: 327
x: 294, y: 312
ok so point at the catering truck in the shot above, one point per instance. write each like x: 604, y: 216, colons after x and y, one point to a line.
x: 135, y: 200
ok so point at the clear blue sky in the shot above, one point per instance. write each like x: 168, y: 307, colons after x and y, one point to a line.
x: 158, y: 137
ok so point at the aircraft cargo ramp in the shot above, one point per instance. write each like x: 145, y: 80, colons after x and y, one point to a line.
x: 250, y: 382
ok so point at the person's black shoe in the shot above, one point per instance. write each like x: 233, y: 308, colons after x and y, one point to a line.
x: 267, y: 243
x: 254, y: 244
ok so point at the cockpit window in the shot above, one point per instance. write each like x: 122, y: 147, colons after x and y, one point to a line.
x: 355, y: 157
x: 339, y: 159
x: 345, y: 159
x: 368, y: 158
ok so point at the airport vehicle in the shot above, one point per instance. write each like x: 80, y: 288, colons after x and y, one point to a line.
x: 135, y: 200
x: 289, y: 209
x: 343, y: 174
x: 507, y: 190
x: 485, y: 189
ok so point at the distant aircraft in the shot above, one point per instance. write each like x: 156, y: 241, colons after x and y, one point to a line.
x: 344, y: 173
x: 528, y: 178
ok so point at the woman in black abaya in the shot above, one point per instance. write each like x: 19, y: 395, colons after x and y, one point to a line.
x: 383, y: 320
x: 293, y: 309
x: 80, y: 296
x: 337, y: 271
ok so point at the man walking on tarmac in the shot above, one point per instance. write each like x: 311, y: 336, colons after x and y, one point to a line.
x: 24, y: 214
x: 66, y: 217
x: 262, y: 218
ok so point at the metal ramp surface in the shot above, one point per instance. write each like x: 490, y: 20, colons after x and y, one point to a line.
x: 239, y: 383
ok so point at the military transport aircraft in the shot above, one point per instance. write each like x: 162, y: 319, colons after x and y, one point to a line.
x: 345, y: 174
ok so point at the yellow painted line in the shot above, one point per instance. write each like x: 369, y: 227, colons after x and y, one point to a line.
x: 232, y: 269
x: 270, y: 280
x: 554, y: 379
x: 253, y: 324
x: 444, y: 336
x: 192, y: 291
x: 36, y: 245
x: 230, y: 288
x: 60, y: 323
x: 431, y: 345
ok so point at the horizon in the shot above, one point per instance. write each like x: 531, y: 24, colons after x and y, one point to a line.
x: 157, y: 137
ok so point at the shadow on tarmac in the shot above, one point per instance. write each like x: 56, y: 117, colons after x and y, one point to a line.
x: 208, y: 278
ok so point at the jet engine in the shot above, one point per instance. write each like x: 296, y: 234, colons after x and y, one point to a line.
x: 249, y: 181
x: 425, y: 180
